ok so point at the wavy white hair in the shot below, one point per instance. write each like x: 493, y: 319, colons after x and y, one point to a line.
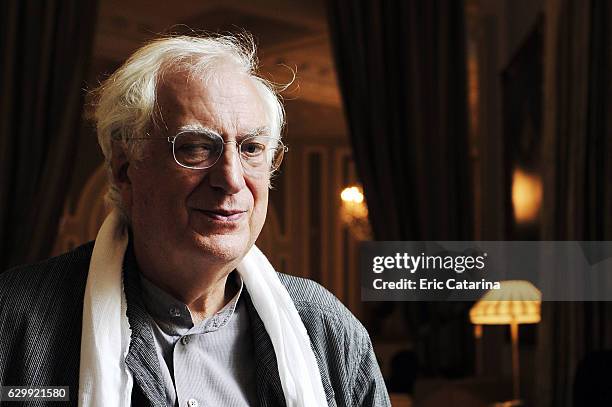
x: 126, y: 101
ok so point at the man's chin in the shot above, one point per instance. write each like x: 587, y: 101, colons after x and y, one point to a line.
x: 222, y: 248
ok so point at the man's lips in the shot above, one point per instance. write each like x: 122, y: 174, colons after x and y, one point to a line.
x: 225, y: 215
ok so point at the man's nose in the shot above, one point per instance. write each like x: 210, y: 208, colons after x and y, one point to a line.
x: 227, y: 173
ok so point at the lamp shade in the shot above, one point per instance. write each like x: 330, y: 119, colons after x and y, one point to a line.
x: 516, y: 301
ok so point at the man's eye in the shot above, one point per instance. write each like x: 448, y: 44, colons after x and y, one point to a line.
x: 195, y: 152
x: 252, y: 149
x: 196, y: 147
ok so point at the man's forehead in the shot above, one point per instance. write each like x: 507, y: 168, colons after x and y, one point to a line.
x: 188, y: 101
x: 178, y: 84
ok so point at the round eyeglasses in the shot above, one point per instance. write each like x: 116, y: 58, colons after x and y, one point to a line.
x: 259, y: 155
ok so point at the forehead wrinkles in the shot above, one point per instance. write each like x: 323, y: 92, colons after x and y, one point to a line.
x: 229, y: 101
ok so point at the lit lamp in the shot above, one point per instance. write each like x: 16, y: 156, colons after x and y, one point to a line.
x: 515, y: 302
x: 354, y: 212
x: 526, y: 195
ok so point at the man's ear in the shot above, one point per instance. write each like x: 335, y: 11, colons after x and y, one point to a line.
x: 120, y: 164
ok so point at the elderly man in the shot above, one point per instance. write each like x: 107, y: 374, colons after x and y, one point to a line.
x: 173, y: 304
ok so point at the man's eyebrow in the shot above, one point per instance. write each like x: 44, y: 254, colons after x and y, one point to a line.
x: 199, y: 129
x: 259, y: 131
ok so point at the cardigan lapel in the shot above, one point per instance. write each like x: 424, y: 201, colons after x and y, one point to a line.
x: 142, y: 357
x: 269, y: 387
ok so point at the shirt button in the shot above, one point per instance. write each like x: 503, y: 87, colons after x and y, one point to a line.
x: 185, y: 341
x: 192, y: 403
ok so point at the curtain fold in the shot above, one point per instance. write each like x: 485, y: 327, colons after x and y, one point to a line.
x: 577, y: 169
x: 45, y: 49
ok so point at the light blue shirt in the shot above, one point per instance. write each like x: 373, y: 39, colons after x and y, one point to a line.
x: 210, y: 363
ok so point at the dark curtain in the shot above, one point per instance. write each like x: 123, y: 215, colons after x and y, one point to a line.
x: 401, y: 70
x: 45, y: 48
x: 402, y: 73
x: 577, y: 171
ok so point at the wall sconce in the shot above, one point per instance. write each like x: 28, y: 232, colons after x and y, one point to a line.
x: 526, y: 196
x: 354, y: 212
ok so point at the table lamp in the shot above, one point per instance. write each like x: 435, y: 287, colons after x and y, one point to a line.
x: 515, y: 302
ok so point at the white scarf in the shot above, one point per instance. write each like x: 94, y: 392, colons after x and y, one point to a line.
x: 105, y: 379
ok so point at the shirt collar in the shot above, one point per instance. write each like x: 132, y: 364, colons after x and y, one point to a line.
x: 175, y: 318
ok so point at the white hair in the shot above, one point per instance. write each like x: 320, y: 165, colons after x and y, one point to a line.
x: 126, y: 101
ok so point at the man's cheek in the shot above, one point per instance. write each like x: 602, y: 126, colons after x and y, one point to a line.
x: 258, y: 218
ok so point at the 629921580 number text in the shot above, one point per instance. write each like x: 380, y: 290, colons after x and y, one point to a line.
x: 31, y: 393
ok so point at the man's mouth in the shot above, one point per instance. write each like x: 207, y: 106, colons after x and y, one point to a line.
x: 224, y: 215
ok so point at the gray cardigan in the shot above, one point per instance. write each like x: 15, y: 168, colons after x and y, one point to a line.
x: 40, y: 335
